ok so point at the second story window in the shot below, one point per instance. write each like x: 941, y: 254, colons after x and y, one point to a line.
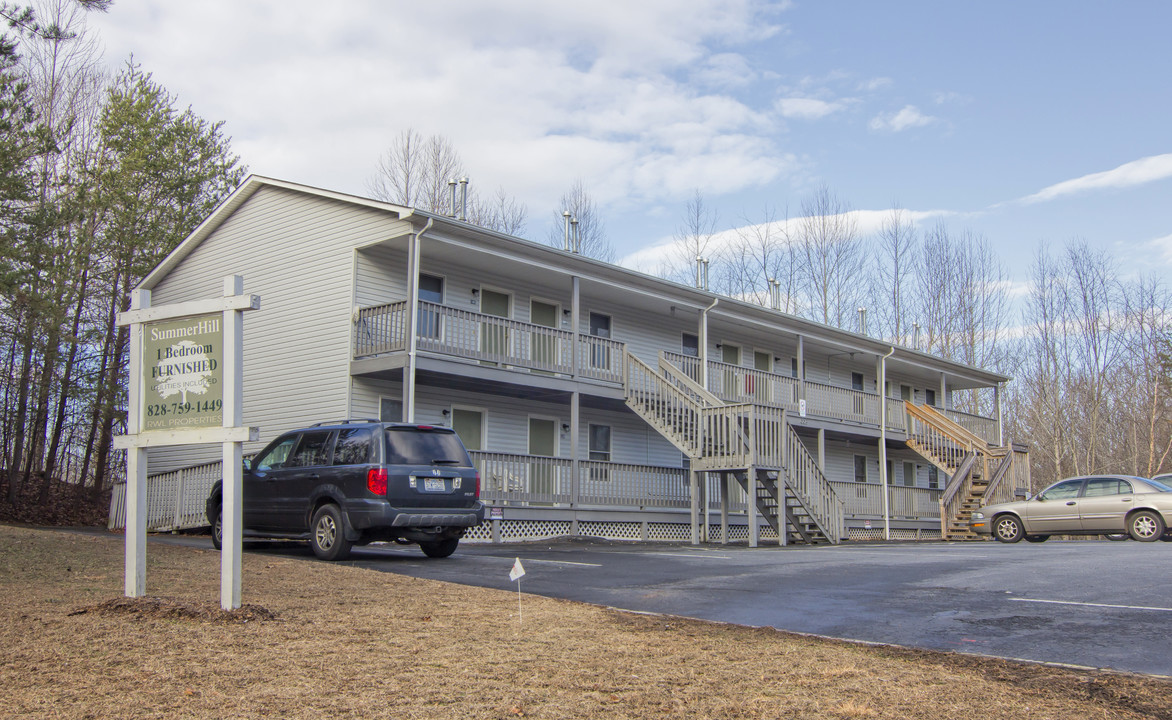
x: 930, y: 397
x: 861, y: 468
x: 691, y: 345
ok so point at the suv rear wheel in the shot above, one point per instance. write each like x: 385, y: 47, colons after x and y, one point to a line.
x: 440, y: 548
x: 218, y: 529
x: 326, y: 534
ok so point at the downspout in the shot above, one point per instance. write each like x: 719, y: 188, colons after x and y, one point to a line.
x: 704, y: 343
x: 883, y: 443
x: 412, y: 325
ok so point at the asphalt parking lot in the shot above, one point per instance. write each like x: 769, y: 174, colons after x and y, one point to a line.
x: 1091, y: 603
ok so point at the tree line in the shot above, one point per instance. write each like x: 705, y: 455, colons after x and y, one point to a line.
x: 101, y: 175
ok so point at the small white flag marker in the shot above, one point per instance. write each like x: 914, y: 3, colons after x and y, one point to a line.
x: 517, y: 571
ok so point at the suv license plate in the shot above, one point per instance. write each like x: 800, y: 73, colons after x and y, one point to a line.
x: 433, y: 484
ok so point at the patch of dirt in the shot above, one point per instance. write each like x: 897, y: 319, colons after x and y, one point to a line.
x: 67, y: 504
x: 173, y: 609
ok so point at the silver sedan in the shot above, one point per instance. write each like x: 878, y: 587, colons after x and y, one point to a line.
x: 1094, y: 505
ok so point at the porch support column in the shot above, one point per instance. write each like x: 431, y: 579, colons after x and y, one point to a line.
x: 943, y: 391
x: 694, y: 494
x: 576, y: 326
x: 997, y: 405
x: 724, y: 495
x: 883, y: 447
x: 822, y: 450
x: 412, y: 323
x: 575, y: 465
x: 802, y: 375
x: 751, y: 494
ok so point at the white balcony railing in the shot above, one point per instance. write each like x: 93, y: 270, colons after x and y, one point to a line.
x: 488, y: 339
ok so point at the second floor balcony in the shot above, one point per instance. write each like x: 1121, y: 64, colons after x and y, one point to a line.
x: 532, y: 348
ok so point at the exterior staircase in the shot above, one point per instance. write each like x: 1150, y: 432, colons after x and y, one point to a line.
x: 754, y: 444
x: 979, y: 472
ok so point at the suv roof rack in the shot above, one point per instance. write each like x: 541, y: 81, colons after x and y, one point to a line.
x: 347, y: 421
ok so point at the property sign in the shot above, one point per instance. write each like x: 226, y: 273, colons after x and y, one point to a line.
x: 183, y: 373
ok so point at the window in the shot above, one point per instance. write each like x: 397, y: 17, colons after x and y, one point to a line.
x: 410, y: 445
x: 1062, y: 491
x: 763, y: 361
x: 860, y: 468
x: 469, y: 425
x: 599, y: 445
x: 905, y: 393
x: 857, y: 381
x: 352, y: 447
x: 793, y: 367
x: 930, y: 397
x: 890, y: 472
x: 1098, y: 487
x: 599, y: 442
x: 390, y: 410
x: 276, y: 457
x: 313, y: 450
x: 431, y: 289
x: 691, y: 345
x: 933, y: 478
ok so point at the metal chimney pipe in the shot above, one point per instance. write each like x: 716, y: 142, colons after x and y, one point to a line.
x: 576, y: 235
x: 774, y: 294
x: 463, y: 198
x: 705, y: 274
x: 566, y: 220
x: 863, y: 321
x: 699, y: 265
x: 452, y: 200
x: 916, y: 336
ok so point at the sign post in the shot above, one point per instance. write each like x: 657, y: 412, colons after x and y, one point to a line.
x: 186, y: 374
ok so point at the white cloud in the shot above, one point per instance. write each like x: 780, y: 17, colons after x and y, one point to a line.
x: 867, y: 223
x: 1163, y: 246
x: 807, y: 108
x: 533, y: 93
x: 909, y: 117
x: 1136, y: 172
x: 875, y: 84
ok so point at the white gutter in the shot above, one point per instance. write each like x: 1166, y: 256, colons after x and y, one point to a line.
x: 412, y: 324
x: 704, y: 343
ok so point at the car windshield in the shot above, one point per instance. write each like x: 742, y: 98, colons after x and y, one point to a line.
x: 1160, y: 486
x: 425, y: 446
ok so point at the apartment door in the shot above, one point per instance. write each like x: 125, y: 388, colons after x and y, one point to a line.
x: 730, y: 378
x: 762, y: 386
x: 543, y: 443
x: 494, y: 337
x: 431, y: 290
x: 469, y: 425
x: 599, y: 353
x: 544, y: 346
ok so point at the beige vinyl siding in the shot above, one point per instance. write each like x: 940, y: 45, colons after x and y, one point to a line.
x: 296, y: 252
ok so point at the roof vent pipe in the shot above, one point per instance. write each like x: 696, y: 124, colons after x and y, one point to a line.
x: 916, y: 336
x: 452, y: 200
x: 576, y: 234
x: 705, y: 274
x: 775, y: 293
x: 699, y: 271
x: 463, y: 198
x: 862, y: 321
x: 566, y: 219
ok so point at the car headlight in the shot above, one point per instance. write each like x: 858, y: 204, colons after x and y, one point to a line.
x: 978, y: 516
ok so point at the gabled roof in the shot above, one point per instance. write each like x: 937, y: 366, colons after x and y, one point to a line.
x: 576, y: 264
x: 238, y: 197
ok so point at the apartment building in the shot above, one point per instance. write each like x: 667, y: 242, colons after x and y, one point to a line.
x: 595, y: 400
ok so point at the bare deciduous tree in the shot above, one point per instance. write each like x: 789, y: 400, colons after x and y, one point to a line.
x: 591, y: 226
x: 831, y: 258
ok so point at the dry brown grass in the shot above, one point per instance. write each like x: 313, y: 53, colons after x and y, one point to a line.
x: 318, y: 640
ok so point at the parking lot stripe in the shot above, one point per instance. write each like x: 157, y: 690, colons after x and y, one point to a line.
x: 1085, y: 604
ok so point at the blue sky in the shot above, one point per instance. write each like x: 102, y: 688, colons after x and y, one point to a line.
x: 1020, y: 121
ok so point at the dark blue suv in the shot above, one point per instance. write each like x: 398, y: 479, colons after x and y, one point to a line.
x: 357, y: 481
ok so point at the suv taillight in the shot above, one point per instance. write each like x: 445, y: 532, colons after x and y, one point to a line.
x: 376, y: 481
x: 477, y: 496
